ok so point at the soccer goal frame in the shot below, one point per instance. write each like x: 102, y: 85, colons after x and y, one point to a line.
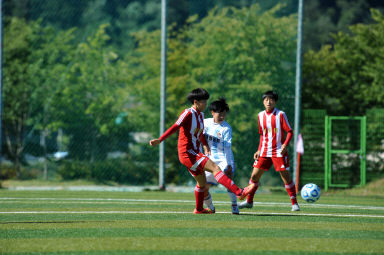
x: 332, y: 151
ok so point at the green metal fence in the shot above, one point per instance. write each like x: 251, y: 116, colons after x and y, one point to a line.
x: 345, y: 151
x: 340, y: 151
x: 312, y: 162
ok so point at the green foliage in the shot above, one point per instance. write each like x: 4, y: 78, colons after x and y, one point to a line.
x: 348, y: 75
x: 55, y: 84
x: 123, y: 171
x: 375, y: 143
x: 312, y: 162
x: 72, y: 170
x: 34, y: 56
x: 236, y: 53
x: 86, y: 98
x: 323, y: 18
x: 7, y: 172
x: 99, y: 84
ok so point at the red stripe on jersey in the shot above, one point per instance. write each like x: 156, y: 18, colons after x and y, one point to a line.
x: 286, y: 125
x: 191, y: 124
x: 272, y: 135
x: 261, y: 133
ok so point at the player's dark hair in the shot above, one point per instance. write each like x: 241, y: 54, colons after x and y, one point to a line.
x: 270, y: 94
x: 198, y: 94
x: 219, y: 105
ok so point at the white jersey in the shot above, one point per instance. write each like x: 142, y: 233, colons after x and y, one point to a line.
x: 219, y: 139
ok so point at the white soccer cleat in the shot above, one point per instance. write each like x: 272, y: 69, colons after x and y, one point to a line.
x: 245, y: 204
x: 295, y: 208
x: 235, y: 209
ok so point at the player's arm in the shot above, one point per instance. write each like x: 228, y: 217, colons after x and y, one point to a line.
x: 164, y: 136
x: 183, y: 117
x: 286, y: 142
x: 205, y: 145
x: 227, y: 150
x: 256, y: 155
x: 207, y: 150
x: 227, y: 140
x: 287, y: 128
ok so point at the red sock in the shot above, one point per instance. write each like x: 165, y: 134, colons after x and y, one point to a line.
x: 228, y: 183
x: 252, y: 194
x: 291, y: 189
x: 199, y: 195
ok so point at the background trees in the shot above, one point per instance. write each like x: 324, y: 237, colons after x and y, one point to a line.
x: 34, y: 58
x: 236, y: 53
x: 90, y: 71
x: 347, y: 75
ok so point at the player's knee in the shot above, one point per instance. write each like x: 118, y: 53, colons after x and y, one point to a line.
x: 285, y: 176
x: 216, y: 170
x: 254, y: 179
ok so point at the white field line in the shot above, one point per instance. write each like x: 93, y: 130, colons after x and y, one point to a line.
x: 159, y: 201
x: 181, y: 212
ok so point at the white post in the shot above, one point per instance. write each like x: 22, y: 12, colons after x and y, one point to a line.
x: 163, y: 82
x: 298, y: 87
x: 1, y: 80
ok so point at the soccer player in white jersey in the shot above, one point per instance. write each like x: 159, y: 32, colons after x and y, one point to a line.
x: 218, y: 134
x: 273, y: 124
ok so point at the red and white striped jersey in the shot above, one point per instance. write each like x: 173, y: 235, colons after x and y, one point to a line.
x: 271, y: 129
x: 191, y: 125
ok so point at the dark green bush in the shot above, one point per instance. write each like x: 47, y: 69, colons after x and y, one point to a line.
x: 29, y: 173
x: 123, y: 171
x: 7, y: 172
x: 72, y: 170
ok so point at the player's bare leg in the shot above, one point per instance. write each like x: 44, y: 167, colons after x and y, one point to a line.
x: 256, y: 174
x: 291, y: 189
x: 255, y: 177
x: 221, y: 178
x: 286, y: 177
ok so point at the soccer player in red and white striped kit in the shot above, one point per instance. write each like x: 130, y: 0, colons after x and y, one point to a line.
x: 191, y: 126
x: 273, y: 124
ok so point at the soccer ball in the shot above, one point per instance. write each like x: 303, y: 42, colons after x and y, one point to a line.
x: 310, y: 192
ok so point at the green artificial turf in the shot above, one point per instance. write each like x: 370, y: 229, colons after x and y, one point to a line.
x: 83, y: 222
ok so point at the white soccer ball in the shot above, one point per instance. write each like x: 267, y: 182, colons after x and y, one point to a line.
x: 310, y: 192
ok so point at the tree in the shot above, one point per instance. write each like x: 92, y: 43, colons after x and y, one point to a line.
x: 236, y: 53
x: 347, y: 75
x: 34, y: 56
x: 84, y: 105
x: 323, y: 18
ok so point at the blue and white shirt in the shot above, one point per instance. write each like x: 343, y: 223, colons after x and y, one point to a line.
x: 219, y: 139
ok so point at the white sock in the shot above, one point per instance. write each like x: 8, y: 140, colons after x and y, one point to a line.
x: 208, y: 202
x: 233, y: 197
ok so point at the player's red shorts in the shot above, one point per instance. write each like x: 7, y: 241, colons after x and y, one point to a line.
x: 195, y: 162
x: 265, y: 163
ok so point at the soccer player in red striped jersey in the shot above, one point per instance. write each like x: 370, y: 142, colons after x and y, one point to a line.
x: 273, y: 125
x: 191, y: 126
